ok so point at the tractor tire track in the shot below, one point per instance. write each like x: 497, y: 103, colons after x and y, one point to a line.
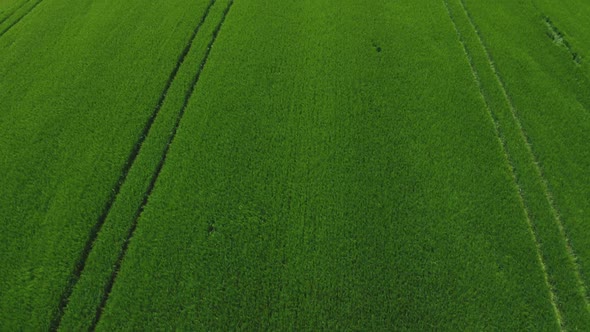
x: 20, y: 18
x: 14, y: 11
x: 535, y: 160
x: 510, y: 162
x: 156, y: 174
x: 79, y: 267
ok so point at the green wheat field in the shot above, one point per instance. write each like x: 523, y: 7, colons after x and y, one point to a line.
x: 294, y: 165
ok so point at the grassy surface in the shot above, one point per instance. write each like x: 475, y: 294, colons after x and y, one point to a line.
x: 562, y: 276
x: 83, y: 310
x: 333, y: 183
x: 569, y: 17
x: 294, y: 165
x: 7, y: 7
x: 78, y: 84
x: 12, y: 12
x: 549, y: 93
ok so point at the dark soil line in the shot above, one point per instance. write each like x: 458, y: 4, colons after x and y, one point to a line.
x: 133, y: 227
x: 79, y: 267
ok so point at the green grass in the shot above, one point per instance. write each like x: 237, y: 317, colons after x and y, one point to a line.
x: 7, y: 7
x: 78, y: 83
x: 309, y: 187
x: 12, y: 12
x: 83, y: 310
x: 569, y: 17
x: 311, y: 165
x: 562, y: 274
x: 548, y: 92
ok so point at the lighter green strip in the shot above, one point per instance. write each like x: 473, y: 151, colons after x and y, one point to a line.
x: 546, y: 191
x: 510, y: 164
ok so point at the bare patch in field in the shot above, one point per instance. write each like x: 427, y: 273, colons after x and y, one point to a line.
x: 559, y: 39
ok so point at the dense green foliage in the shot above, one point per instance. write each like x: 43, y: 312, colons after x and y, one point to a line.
x: 294, y: 165
x: 79, y: 80
x: 82, y: 309
x: 549, y: 91
x: 8, y: 7
x: 563, y: 275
